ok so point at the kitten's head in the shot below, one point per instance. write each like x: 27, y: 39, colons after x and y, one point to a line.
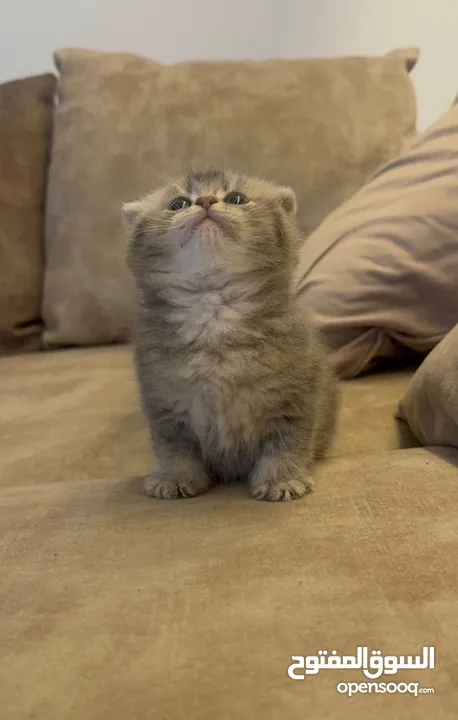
x: 212, y: 220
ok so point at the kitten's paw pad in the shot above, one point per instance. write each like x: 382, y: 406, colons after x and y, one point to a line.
x: 282, y: 491
x: 161, y: 488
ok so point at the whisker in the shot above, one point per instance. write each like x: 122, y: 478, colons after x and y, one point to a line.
x: 166, y: 179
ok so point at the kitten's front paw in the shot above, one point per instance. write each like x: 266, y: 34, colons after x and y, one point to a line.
x: 167, y: 486
x: 281, y: 490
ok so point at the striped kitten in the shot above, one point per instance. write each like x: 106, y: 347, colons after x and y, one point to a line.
x: 234, y: 381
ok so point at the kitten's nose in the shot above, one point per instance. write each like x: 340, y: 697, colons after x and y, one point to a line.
x: 206, y: 201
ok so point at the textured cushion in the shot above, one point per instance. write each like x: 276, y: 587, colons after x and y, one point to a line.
x: 26, y: 108
x: 380, y: 275
x: 430, y: 405
x: 122, y: 122
x: 117, y: 606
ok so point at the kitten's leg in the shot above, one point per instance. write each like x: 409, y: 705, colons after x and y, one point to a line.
x: 283, y: 470
x: 180, y: 472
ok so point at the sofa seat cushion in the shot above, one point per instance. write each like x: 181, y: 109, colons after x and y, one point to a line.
x: 75, y: 414
x: 115, y: 605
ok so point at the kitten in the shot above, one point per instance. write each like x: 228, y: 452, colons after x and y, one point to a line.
x: 234, y: 381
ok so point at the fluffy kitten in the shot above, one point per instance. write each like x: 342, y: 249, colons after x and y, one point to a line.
x: 234, y: 381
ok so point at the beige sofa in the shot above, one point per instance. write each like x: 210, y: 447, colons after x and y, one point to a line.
x: 115, y: 606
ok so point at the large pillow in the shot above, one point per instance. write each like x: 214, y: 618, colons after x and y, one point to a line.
x: 380, y: 275
x: 26, y: 111
x: 123, y: 122
x: 430, y: 405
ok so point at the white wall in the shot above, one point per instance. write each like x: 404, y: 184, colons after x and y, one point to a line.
x: 171, y: 30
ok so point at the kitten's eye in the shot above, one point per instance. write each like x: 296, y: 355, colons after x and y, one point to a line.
x: 236, y: 198
x: 180, y: 203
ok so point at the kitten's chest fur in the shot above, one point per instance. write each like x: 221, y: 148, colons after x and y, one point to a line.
x: 218, y: 379
x: 204, y: 320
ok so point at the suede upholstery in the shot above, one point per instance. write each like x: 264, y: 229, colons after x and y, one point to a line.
x: 82, y: 407
x: 115, y: 605
x: 379, y: 275
x: 430, y: 404
x: 321, y: 126
x: 26, y: 112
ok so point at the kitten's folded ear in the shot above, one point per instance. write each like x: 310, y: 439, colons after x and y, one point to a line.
x: 131, y: 215
x: 134, y: 212
x: 288, y: 200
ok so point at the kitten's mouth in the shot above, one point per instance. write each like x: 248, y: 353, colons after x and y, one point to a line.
x: 209, y: 223
x: 209, y: 226
x: 210, y: 219
x: 208, y: 229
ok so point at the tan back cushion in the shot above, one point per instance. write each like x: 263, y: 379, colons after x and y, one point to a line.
x: 124, y: 122
x: 26, y: 110
x: 430, y: 405
x: 380, y: 275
